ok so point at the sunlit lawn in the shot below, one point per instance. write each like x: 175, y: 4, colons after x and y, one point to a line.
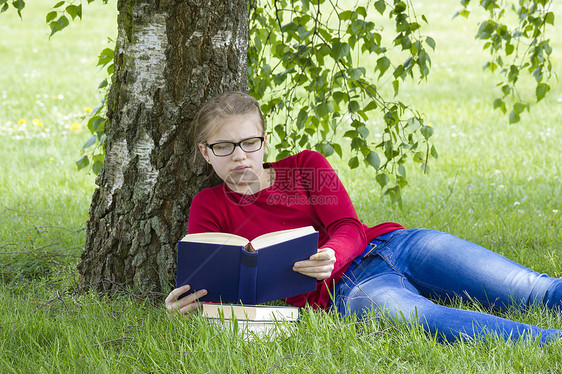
x: 494, y: 184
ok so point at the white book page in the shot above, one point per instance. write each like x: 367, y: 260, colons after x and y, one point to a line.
x: 273, y: 238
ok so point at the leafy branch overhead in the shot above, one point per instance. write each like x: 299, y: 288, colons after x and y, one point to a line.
x: 516, y: 49
x: 304, y: 66
x: 321, y: 70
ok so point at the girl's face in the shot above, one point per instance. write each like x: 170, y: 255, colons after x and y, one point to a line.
x: 241, y: 171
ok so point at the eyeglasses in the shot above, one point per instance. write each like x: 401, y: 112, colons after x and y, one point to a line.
x: 223, y: 149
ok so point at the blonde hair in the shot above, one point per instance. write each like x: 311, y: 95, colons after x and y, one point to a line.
x: 222, y: 106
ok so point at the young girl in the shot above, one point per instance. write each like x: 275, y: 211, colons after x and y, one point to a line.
x: 386, y: 267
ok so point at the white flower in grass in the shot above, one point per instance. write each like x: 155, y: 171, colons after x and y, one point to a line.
x: 517, y: 203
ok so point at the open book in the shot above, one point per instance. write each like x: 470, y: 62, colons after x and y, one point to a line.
x: 234, y: 270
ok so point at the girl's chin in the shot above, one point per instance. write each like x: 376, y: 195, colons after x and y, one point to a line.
x: 244, y: 188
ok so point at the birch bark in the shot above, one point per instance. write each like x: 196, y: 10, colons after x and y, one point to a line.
x: 170, y: 57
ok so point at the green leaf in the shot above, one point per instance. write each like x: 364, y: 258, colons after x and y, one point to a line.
x: 82, y: 162
x: 514, y: 117
x: 380, y: 6
x: 363, y: 131
x: 402, y: 171
x: 338, y: 149
x: 541, y: 90
x: 74, y: 11
x: 549, y: 18
x: 302, y: 117
x: 59, y: 4
x: 324, y: 108
x: 98, y: 124
x: 339, y: 50
x: 346, y: 15
x: 371, y: 106
x: 327, y: 150
x: 362, y: 11
x: 399, y: 71
x: 383, y: 63
x: 353, y: 162
x: 499, y: 103
x: 96, y: 167
x: 91, y: 141
x: 373, y: 160
x: 382, y: 180
x: 509, y: 48
x: 51, y: 16
x: 350, y: 134
x: 354, y: 106
x: 519, y: 107
x: 395, y: 85
x: 18, y: 4
x: 464, y: 13
x: 430, y: 42
x: 356, y: 73
x: 58, y: 25
x: 434, y: 153
x: 485, y: 31
x: 399, y: 7
x: 105, y: 57
x: 506, y: 89
x: 427, y: 131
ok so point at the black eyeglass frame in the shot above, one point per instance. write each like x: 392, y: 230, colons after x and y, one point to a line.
x: 239, y: 144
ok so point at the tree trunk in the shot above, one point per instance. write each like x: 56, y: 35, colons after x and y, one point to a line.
x: 170, y: 57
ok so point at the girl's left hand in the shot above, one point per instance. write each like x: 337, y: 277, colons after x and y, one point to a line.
x: 320, y: 265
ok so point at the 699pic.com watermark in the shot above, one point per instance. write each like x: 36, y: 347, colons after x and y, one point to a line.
x: 288, y: 186
x: 298, y: 199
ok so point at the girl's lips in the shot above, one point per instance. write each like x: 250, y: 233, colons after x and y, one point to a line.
x: 240, y: 169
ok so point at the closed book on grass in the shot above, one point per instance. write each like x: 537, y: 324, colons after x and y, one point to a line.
x: 255, y: 319
x: 255, y: 313
x: 235, y: 270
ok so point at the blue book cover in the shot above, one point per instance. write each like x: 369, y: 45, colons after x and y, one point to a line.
x: 233, y: 270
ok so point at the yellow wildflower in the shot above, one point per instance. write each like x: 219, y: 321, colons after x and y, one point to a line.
x: 76, y: 127
x: 21, y: 121
x: 88, y: 109
x: 38, y: 123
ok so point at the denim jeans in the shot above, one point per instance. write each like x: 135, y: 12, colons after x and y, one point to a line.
x: 406, y: 267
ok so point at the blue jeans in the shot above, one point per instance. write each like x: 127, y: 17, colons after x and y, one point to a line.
x: 406, y: 267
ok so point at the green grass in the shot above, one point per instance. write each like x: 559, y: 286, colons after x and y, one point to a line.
x: 494, y: 184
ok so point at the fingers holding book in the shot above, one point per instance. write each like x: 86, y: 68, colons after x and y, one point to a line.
x: 320, y: 265
x: 184, y: 305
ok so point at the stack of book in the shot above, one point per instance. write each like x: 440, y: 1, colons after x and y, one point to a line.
x: 239, y: 274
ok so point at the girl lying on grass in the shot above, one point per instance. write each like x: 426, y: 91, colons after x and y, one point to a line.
x: 393, y: 270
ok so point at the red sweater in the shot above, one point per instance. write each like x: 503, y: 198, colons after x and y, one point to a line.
x: 307, y: 191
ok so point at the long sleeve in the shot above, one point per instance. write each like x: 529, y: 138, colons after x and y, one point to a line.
x: 333, y: 206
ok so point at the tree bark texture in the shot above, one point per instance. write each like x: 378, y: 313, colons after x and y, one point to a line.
x: 171, y: 56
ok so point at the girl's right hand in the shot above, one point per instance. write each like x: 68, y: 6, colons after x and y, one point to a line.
x: 185, y: 305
